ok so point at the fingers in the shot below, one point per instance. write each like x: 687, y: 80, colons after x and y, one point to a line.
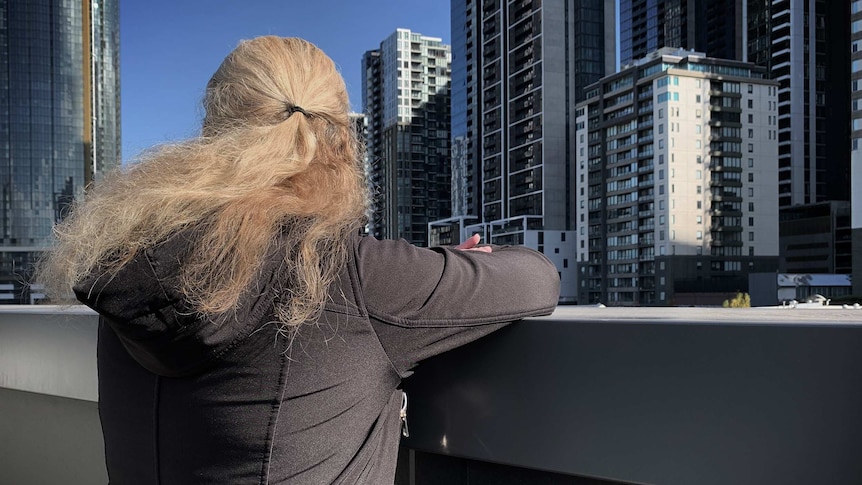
x: 470, y: 243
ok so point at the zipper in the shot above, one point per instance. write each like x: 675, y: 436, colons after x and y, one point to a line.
x: 403, y: 415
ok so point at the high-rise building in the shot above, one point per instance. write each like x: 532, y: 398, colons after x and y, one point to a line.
x: 519, y: 67
x: 797, y: 41
x: 465, y: 127
x: 856, y: 142
x: 405, y: 89
x: 678, y: 199
x: 715, y: 27
x: 60, y: 95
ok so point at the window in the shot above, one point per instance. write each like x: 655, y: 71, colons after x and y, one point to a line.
x: 697, y: 98
x: 750, y: 89
x: 699, y: 235
x: 751, y: 132
x: 699, y: 219
x: 699, y: 189
x: 751, y: 104
x: 750, y: 163
x: 751, y: 191
x: 698, y: 174
x: 750, y: 222
x: 699, y: 204
x: 698, y: 159
x: 751, y: 177
x: 750, y: 148
x: 750, y: 118
x: 751, y: 236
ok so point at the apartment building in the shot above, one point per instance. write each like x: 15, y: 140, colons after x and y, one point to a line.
x: 405, y: 89
x: 677, y: 198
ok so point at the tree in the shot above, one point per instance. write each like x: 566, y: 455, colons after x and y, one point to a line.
x: 741, y: 300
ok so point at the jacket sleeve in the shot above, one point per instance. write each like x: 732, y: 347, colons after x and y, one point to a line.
x: 423, y: 302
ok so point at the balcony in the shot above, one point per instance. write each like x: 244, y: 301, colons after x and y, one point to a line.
x: 588, y: 396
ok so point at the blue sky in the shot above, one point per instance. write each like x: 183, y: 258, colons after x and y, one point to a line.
x: 170, y: 48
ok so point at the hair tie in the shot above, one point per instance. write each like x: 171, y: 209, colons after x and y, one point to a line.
x: 290, y: 109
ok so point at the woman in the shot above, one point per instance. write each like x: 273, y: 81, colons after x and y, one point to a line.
x: 248, y: 333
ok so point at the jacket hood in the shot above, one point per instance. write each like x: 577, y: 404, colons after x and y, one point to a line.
x: 142, y: 303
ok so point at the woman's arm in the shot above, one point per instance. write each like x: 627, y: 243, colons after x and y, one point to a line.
x: 425, y: 301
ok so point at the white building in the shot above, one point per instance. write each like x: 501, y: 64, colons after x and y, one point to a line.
x: 678, y: 187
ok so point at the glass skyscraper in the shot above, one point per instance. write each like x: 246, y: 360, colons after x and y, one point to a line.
x: 59, y: 101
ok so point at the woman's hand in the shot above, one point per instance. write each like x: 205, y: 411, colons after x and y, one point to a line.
x: 471, y: 244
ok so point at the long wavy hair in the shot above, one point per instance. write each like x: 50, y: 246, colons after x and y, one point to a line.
x: 277, y: 159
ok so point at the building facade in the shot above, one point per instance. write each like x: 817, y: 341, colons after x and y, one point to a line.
x: 715, y: 27
x: 678, y: 199
x: 815, y: 238
x: 796, y: 41
x: 60, y: 91
x: 405, y: 89
x: 856, y: 143
x: 519, y: 67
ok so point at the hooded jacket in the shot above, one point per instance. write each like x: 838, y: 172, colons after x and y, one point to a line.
x: 185, y: 399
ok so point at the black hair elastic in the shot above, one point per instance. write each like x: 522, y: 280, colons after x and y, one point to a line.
x: 290, y: 109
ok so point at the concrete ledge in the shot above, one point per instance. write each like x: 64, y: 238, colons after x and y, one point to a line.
x: 49, y: 350
x: 635, y: 395
x: 654, y: 395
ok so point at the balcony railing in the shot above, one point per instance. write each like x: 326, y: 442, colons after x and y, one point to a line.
x: 587, y: 395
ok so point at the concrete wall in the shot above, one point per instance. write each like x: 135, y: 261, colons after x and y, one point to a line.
x: 49, y: 421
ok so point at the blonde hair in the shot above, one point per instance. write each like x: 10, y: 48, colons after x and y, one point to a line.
x: 260, y: 171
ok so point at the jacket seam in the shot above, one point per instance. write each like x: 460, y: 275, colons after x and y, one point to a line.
x: 275, y: 412
x: 152, y: 266
x: 455, y: 322
x: 356, y: 286
x: 156, y: 450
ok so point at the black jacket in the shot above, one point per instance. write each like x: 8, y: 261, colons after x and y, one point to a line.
x: 186, y: 400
